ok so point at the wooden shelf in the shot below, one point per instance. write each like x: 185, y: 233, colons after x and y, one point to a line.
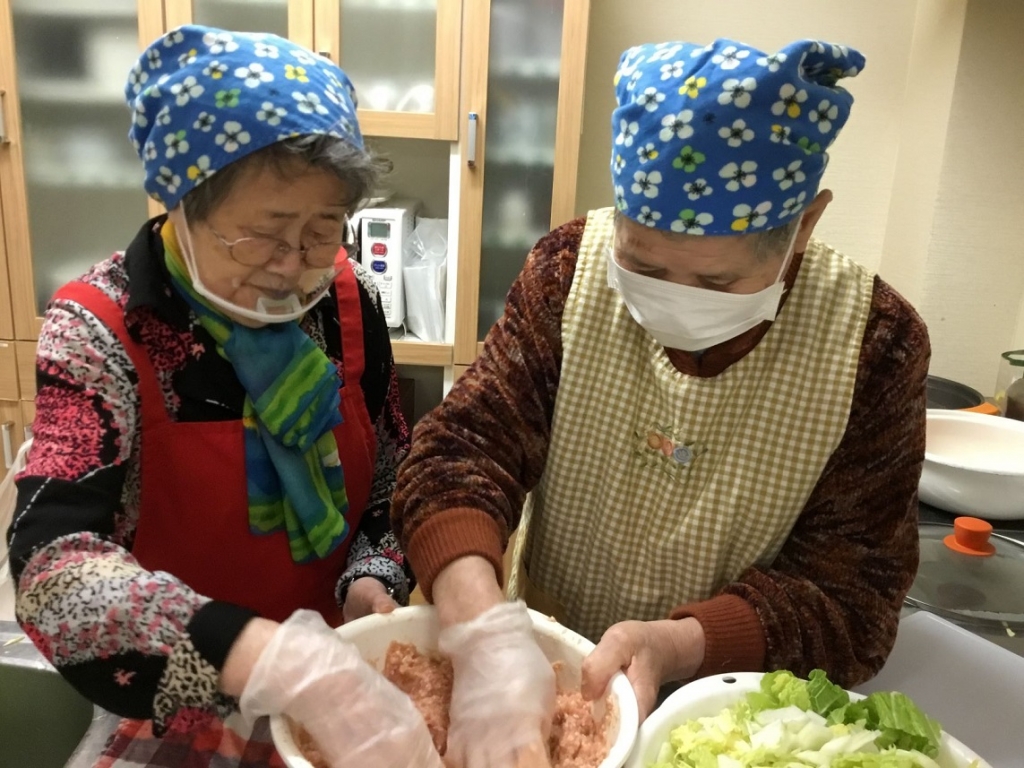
x: 523, y: 243
x: 422, y: 353
x: 83, y: 10
x: 525, y: 157
x: 86, y: 182
x: 391, y: 6
x: 65, y: 92
x: 528, y: 69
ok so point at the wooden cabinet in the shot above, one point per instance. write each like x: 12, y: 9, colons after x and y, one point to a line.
x: 492, y: 88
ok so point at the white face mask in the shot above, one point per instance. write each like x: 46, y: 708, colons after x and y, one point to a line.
x: 312, y: 287
x: 694, y: 319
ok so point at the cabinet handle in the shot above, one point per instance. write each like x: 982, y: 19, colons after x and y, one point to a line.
x: 474, y: 123
x: 6, y: 428
x: 4, y: 138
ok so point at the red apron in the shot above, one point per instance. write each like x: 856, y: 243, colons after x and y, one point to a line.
x: 194, y: 510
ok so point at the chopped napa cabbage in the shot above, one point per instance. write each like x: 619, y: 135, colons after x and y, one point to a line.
x: 794, y: 723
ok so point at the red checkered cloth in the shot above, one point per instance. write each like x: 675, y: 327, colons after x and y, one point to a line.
x: 205, y: 742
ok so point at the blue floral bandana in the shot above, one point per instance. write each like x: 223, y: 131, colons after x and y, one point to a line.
x: 724, y: 139
x: 202, y: 98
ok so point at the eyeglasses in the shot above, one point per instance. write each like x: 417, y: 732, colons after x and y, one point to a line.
x: 258, y: 251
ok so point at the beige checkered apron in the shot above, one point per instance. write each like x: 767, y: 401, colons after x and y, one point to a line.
x: 660, y: 488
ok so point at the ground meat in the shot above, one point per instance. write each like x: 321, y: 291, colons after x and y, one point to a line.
x: 427, y: 680
x: 577, y: 739
x: 308, y: 747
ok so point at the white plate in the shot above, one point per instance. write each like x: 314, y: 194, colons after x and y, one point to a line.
x: 709, y: 696
x: 418, y: 625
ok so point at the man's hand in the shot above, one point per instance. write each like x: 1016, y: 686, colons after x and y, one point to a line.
x: 365, y: 596
x: 650, y: 653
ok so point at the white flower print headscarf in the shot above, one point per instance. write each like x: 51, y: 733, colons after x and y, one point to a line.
x: 217, y: 96
x: 728, y: 135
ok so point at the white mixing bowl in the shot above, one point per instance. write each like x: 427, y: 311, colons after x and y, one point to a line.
x: 418, y: 625
x: 974, y: 465
x: 710, y: 695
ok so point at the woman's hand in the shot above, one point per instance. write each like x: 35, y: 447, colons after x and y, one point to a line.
x: 356, y: 717
x: 650, y: 653
x: 365, y: 596
x: 504, y: 691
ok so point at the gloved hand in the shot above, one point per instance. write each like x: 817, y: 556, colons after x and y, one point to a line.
x: 356, y: 716
x: 503, y: 696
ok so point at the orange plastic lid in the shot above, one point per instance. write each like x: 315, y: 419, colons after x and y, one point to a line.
x: 971, y: 537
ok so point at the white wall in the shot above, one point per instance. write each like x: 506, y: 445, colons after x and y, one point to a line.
x: 928, y: 174
x: 973, y: 287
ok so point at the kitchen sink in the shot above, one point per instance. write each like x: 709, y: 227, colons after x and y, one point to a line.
x: 42, y: 718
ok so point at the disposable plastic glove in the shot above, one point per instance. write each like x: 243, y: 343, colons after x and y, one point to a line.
x: 356, y: 717
x: 503, y: 696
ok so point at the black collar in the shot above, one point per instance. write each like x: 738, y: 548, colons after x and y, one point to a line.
x: 149, y: 283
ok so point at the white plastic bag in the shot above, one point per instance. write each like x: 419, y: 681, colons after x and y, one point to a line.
x: 425, y: 277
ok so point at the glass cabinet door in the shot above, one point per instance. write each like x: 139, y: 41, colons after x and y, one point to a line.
x: 402, y: 57
x: 292, y: 19
x: 69, y: 163
x: 519, y: 155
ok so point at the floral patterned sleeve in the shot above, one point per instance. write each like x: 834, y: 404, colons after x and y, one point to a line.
x: 375, y: 551
x: 139, y: 644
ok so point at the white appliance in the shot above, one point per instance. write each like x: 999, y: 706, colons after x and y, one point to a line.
x: 383, y: 232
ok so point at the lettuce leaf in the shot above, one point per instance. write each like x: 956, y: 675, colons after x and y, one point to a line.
x: 784, y: 689
x: 902, y: 724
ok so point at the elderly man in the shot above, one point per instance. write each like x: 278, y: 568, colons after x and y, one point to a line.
x: 716, y: 421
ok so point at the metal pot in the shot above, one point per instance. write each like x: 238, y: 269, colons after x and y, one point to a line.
x: 949, y: 394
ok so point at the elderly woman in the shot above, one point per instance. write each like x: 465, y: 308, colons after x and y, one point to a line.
x: 719, y: 419
x: 218, y: 428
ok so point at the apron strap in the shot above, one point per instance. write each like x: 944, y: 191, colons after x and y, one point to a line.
x: 92, y: 299
x: 350, y: 315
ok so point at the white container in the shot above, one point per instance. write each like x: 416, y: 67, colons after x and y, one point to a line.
x: 974, y: 465
x: 383, y: 233
x: 418, y: 625
x: 709, y: 696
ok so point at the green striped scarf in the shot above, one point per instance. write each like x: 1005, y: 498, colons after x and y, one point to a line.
x: 294, y: 476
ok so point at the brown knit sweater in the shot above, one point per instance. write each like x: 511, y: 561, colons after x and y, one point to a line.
x: 831, y: 599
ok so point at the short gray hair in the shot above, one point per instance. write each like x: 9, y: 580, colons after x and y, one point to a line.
x: 773, y: 242
x: 361, y: 170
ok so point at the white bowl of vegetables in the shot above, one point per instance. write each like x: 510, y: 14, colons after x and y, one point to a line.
x: 777, y: 720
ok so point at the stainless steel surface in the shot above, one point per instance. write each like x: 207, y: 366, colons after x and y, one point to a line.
x: 5, y: 429
x: 3, y: 130
x: 43, y: 720
x: 474, y: 124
